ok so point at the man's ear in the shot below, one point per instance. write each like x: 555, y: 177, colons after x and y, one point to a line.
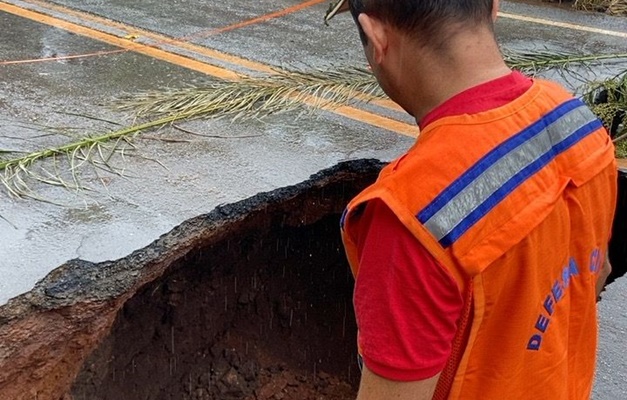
x: 377, y: 35
x: 495, y: 9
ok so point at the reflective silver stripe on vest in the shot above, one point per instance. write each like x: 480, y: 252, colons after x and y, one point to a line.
x: 504, y: 169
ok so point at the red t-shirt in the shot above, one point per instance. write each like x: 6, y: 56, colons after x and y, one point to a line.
x: 407, y: 305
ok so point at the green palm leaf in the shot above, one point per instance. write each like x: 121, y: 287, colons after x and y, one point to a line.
x: 254, y: 97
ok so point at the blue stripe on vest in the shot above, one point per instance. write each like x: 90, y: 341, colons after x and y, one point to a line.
x: 497, y: 174
x: 443, y: 198
x: 343, y: 218
x: 516, y: 181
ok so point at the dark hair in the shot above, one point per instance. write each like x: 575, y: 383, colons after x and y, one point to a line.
x: 426, y: 20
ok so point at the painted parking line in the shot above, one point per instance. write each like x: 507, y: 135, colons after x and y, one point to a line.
x: 206, y: 68
x: 558, y: 24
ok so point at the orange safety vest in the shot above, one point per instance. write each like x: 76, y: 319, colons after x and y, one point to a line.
x: 517, y: 204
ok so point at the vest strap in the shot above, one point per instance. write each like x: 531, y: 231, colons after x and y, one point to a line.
x: 447, y: 377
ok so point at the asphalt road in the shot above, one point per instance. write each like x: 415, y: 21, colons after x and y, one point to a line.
x: 65, y: 64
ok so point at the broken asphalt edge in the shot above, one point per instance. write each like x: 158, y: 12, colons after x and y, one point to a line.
x: 47, y: 333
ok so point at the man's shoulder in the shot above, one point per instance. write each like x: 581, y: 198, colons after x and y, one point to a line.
x: 554, y: 90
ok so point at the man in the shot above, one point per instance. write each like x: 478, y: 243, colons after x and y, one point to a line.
x: 478, y: 254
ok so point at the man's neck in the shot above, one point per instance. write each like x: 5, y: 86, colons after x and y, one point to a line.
x: 469, y: 60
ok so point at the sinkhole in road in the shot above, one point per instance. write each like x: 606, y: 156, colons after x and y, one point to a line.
x: 259, y: 309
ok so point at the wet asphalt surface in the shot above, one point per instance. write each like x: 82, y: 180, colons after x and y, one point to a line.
x: 44, y: 104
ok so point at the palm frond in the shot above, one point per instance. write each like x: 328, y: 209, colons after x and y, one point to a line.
x: 621, y: 148
x: 254, y: 97
x: 318, y: 88
x: 592, y: 5
x: 613, y: 7
x: 66, y: 161
x: 259, y: 97
x: 618, y: 7
x: 608, y: 100
x: 537, y: 61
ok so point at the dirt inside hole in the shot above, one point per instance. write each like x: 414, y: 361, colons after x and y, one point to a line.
x: 265, y: 312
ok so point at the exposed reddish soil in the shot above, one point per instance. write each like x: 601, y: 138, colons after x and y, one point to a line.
x: 263, y: 313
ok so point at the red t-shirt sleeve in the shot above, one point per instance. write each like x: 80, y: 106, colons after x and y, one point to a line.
x: 407, y: 305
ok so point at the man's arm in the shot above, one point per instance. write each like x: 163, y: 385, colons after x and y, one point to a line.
x: 605, y: 271
x: 374, y: 387
x: 407, y: 307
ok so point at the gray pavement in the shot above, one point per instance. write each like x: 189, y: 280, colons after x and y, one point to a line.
x: 611, y: 381
x: 152, y: 199
x: 41, y: 104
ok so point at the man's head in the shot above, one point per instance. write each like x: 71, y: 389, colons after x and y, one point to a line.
x: 431, y: 22
x: 424, y: 51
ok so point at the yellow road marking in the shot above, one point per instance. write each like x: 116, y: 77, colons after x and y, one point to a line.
x: 567, y: 25
x: 157, y: 38
x: 219, y: 72
x: 121, y: 42
x: 378, y: 120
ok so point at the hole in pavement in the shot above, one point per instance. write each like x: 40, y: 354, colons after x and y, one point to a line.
x: 262, y: 312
